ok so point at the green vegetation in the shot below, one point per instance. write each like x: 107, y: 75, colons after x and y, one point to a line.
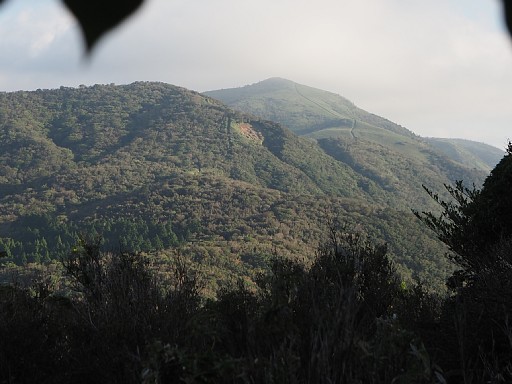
x: 119, y: 317
x: 150, y: 234
x: 469, y: 153
x: 302, y: 109
x: 110, y: 318
x: 477, y: 228
x: 382, y: 152
x: 150, y: 166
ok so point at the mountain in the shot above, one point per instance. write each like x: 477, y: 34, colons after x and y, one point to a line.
x: 157, y: 168
x: 322, y: 115
x: 387, y: 154
x: 304, y: 110
x: 313, y: 112
x: 472, y: 154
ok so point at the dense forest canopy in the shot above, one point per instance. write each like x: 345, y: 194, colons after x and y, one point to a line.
x: 348, y: 317
x: 151, y: 234
x: 151, y: 166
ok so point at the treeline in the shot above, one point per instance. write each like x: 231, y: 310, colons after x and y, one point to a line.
x: 107, y: 317
x: 45, y: 237
x: 202, y: 207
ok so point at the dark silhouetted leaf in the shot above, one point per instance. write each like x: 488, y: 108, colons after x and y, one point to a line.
x: 507, y: 7
x: 97, y: 17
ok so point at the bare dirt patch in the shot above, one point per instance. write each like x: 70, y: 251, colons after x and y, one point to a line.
x: 248, y: 131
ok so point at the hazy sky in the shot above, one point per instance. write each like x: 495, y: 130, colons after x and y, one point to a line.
x: 438, y: 67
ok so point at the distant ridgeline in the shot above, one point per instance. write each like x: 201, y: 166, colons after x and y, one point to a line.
x: 324, y: 115
x: 152, y: 167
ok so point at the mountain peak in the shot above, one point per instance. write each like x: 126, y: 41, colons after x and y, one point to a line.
x: 276, y: 81
x: 303, y: 109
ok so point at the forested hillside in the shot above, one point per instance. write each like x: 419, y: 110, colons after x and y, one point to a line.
x: 153, y: 167
x: 348, y: 317
x: 387, y: 156
x: 151, y: 234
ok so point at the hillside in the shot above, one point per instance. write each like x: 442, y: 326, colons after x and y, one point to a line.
x: 154, y: 167
x: 393, y: 158
x: 469, y: 153
x: 320, y: 114
x: 305, y: 110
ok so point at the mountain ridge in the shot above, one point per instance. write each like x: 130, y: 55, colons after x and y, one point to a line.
x: 393, y: 158
x: 321, y: 114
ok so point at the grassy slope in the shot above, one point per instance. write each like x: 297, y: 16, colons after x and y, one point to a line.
x: 392, y: 157
x: 301, y: 108
x: 320, y: 114
x: 469, y: 153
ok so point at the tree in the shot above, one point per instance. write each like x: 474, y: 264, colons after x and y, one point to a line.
x: 477, y: 227
x: 476, y: 221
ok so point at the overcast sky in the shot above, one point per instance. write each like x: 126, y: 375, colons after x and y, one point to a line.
x: 438, y: 67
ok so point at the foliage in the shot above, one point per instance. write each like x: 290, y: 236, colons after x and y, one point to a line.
x: 155, y: 168
x: 348, y: 317
x: 454, y: 226
x: 470, y: 153
x: 388, y: 161
x: 150, y: 166
x: 476, y: 227
x: 301, y: 108
x: 334, y: 322
x: 476, y: 221
x: 94, y: 330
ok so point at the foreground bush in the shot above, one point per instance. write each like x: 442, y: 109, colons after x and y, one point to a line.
x: 476, y: 225
x: 335, y: 322
x: 115, y: 322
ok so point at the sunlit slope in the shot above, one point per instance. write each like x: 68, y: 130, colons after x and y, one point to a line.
x: 469, y: 153
x: 320, y: 114
x: 305, y: 110
x: 392, y: 157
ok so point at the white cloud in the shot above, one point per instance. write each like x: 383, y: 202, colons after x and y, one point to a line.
x: 32, y: 28
x: 440, y: 68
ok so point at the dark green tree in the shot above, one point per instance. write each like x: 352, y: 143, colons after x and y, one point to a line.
x: 475, y: 222
x: 477, y: 227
